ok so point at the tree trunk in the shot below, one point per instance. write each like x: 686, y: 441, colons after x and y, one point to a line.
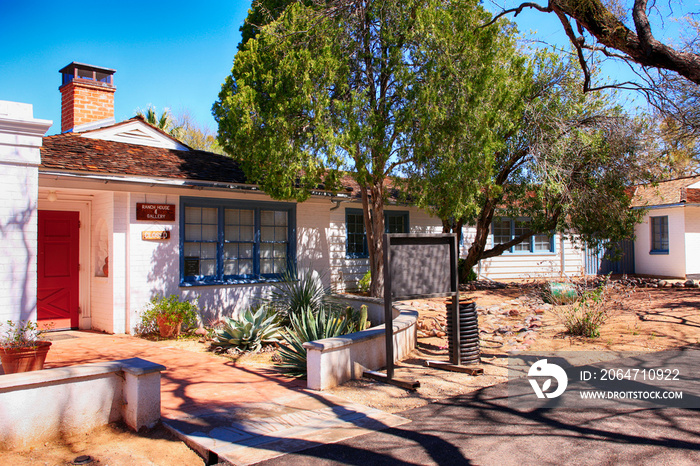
x: 375, y: 231
x: 483, y: 223
x: 454, y: 226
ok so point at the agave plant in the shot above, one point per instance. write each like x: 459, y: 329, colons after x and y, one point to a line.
x: 298, y: 293
x: 308, y: 326
x: 249, y: 332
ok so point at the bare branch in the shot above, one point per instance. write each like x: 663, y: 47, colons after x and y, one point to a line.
x: 517, y: 11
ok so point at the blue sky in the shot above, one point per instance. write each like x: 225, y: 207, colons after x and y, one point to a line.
x: 171, y: 54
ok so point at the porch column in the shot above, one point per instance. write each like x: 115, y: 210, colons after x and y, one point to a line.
x: 20, y: 139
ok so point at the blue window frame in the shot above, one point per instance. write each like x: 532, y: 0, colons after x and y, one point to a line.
x: 659, y: 235
x: 395, y: 221
x: 232, y: 241
x: 505, y: 229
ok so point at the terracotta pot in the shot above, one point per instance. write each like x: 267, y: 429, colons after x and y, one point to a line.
x: 168, y: 330
x: 26, y: 359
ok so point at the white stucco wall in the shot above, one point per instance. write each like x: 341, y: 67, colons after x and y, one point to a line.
x: 692, y: 239
x: 101, y: 296
x: 154, y: 266
x: 672, y: 264
x: 20, y: 140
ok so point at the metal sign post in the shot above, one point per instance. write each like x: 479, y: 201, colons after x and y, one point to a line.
x: 419, y: 266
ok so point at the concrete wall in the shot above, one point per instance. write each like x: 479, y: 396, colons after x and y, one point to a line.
x: 43, y: 405
x: 20, y: 140
x: 672, y: 264
x: 333, y: 361
x: 692, y: 239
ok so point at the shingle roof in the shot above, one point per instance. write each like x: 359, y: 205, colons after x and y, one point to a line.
x: 72, y: 152
x: 667, y: 192
x: 75, y: 153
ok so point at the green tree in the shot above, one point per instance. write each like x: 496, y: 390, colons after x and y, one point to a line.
x: 336, y: 88
x: 560, y: 158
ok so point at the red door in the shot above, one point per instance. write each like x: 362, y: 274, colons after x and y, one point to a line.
x: 58, y: 269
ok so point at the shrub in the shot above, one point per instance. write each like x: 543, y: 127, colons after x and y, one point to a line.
x: 249, y: 332
x: 20, y: 334
x: 364, y: 283
x: 466, y: 274
x: 328, y: 322
x: 585, y: 317
x: 170, y: 308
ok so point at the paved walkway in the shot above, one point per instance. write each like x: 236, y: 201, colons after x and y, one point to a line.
x: 228, y: 412
x: 483, y: 428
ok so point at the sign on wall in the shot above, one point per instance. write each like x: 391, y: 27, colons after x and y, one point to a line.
x: 162, y: 212
x: 155, y: 235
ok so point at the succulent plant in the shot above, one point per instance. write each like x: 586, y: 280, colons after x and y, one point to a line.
x: 308, y: 326
x: 249, y: 332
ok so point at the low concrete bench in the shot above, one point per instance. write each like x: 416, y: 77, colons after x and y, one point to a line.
x: 333, y: 361
x: 42, y: 405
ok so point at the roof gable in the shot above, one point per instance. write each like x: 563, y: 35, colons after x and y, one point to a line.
x: 138, y: 132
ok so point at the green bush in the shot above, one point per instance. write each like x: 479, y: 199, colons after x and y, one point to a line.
x: 249, y: 332
x: 365, y: 282
x: 466, y: 274
x: 586, y: 316
x: 170, y: 308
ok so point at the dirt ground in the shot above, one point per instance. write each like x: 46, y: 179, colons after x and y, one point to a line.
x: 512, y: 319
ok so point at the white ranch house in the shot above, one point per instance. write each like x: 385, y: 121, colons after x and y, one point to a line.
x: 98, y: 219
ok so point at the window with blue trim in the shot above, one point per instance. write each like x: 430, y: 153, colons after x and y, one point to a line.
x: 659, y: 235
x: 395, y: 221
x: 235, y: 241
x: 505, y: 229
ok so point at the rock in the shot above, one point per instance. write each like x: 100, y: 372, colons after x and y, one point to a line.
x: 201, y: 331
x: 421, y: 334
x: 678, y: 285
x: 440, y: 334
x: 535, y: 325
x: 504, y: 329
x: 690, y: 284
x: 662, y: 283
x: 513, y: 313
x: 539, y: 311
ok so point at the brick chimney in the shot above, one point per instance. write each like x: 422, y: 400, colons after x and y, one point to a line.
x: 87, y: 97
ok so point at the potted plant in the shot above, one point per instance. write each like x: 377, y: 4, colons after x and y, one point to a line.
x: 21, y: 347
x: 167, y: 316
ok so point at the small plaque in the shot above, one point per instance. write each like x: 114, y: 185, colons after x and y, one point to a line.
x: 191, y: 266
x: 162, y: 212
x: 155, y: 235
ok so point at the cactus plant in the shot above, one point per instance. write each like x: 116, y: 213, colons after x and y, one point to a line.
x: 249, y: 332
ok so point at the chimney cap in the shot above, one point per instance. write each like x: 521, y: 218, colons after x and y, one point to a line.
x: 68, y: 69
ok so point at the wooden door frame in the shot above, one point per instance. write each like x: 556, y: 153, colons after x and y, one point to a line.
x: 83, y: 207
